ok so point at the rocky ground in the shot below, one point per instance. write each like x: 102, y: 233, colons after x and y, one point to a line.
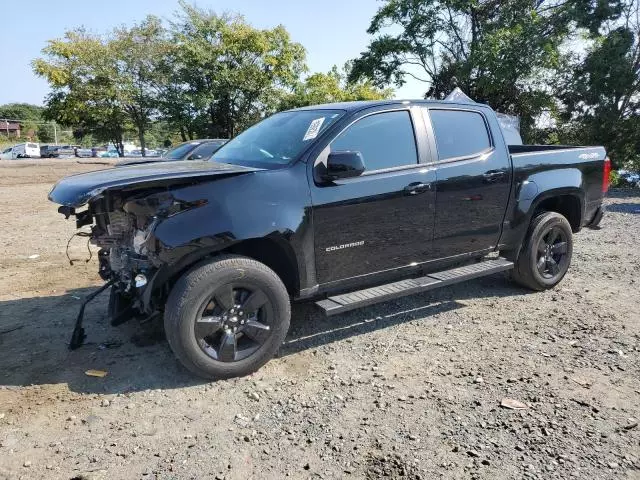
x: 406, y: 389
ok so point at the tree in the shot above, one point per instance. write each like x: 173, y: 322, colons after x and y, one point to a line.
x: 331, y: 87
x: 79, y: 69
x: 21, y: 111
x: 500, y: 53
x: 600, y: 91
x: 228, y: 73
x: 138, y: 59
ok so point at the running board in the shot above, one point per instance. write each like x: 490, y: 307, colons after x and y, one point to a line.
x: 363, y: 298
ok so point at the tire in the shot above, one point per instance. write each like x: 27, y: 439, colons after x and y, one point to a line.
x: 201, y: 299
x: 543, y: 260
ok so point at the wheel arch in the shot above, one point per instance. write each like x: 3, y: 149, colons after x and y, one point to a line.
x: 276, y: 253
x: 568, y: 204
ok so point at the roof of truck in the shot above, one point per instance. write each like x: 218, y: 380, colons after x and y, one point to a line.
x: 359, y: 105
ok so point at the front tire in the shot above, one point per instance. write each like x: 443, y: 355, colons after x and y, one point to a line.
x: 227, y: 317
x: 546, y: 253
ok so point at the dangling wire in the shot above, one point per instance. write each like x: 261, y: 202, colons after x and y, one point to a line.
x: 79, y: 234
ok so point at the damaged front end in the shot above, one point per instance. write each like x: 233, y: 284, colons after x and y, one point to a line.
x: 122, y: 226
x: 124, y: 207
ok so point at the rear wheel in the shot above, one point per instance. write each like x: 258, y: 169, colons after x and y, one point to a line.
x: 546, y: 253
x: 227, y: 317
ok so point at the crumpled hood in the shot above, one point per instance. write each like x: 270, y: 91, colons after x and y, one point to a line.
x: 76, y: 190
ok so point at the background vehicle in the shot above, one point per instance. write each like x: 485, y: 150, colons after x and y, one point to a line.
x: 138, y: 153
x: 96, y: 151
x: 195, y: 149
x: 57, y: 151
x: 84, y: 152
x: 108, y: 154
x: 631, y: 178
x: 375, y: 199
x: 21, y: 150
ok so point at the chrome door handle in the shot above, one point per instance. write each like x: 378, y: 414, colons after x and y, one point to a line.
x: 416, y: 188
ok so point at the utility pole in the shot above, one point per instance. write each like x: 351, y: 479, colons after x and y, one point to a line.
x: 55, y: 133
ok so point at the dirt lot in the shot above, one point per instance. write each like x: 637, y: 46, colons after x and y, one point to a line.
x: 406, y: 389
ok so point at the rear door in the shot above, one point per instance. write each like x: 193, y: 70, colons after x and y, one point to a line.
x: 473, y: 180
x: 383, y: 219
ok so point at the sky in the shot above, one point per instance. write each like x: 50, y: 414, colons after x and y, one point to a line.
x: 332, y: 31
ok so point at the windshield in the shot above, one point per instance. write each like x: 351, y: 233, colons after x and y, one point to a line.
x: 277, y: 139
x: 181, y: 150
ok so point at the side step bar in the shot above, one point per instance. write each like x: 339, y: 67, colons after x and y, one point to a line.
x: 362, y: 298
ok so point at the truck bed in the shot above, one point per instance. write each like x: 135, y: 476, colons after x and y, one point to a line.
x: 524, y: 149
x: 525, y: 155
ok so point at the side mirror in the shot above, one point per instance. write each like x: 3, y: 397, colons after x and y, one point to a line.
x: 345, y: 164
x: 195, y: 156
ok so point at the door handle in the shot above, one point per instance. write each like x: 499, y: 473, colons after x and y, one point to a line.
x: 416, y: 188
x: 493, y: 175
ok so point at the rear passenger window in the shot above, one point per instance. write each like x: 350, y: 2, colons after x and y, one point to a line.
x: 385, y: 140
x: 459, y: 133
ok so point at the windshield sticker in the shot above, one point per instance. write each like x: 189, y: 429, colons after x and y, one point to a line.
x: 314, y: 129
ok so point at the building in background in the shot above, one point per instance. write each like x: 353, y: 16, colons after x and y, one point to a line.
x: 9, y: 128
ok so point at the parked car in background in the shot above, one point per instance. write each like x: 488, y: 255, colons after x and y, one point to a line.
x: 631, y: 178
x: 21, y: 150
x: 96, y: 151
x: 138, y: 153
x: 108, y: 154
x: 192, y: 150
x: 195, y: 149
x: 57, y: 151
x: 83, y: 152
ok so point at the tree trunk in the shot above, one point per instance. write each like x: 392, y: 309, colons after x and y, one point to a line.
x: 183, y: 134
x: 143, y: 145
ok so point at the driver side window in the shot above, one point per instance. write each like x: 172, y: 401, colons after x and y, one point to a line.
x: 385, y: 140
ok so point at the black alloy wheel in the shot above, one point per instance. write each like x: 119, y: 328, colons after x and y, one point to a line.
x: 552, y: 253
x: 227, y: 316
x: 234, y: 323
x: 546, y: 252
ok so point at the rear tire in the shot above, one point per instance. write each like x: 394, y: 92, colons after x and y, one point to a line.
x: 546, y: 253
x: 227, y: 317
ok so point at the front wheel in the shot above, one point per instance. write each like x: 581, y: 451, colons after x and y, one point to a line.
x: 227, y: 317
x: 546, y: 253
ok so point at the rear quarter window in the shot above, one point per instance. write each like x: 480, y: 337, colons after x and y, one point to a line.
x: 459, y: 133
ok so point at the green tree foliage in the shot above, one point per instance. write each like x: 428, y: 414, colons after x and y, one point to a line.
x: 79, y: 69
x: 600, y: 91
x: 226, y: 72
x: 139, y: 71
x: 500, y: 53
x: 21, y: 111
x: 331, y: 87
x: 31, y: 118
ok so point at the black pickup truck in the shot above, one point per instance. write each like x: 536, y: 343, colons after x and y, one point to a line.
x: 342, y: 204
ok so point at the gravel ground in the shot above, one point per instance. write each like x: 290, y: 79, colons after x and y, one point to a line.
x: 406, y: 389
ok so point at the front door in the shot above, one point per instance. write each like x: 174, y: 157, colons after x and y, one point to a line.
x: 383, y: 219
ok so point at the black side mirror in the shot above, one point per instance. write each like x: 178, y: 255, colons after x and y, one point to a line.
x: 195, y: 156
x: 345, y: 164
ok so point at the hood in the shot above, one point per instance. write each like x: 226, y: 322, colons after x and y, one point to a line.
x: 76, y: 190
